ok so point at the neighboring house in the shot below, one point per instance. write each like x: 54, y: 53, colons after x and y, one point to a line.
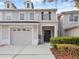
x: 71, y: 23
x: 60, y: 25
x: 27, y: 26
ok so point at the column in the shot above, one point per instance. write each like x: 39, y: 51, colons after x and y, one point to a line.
x: 55, y: 31
x: 35, y: 35
x: 41, y: 32
x: 9, y: 36
x: 37, y: 40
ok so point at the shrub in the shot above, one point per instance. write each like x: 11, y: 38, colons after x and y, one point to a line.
x: 64, y: 40
x: 66, y: 46
x: 55, y: 46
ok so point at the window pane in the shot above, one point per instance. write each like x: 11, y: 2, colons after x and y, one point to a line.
x: 46, y: 15
x: 49, y: 15
x: 31, y: 15
x: 75, y: 18
x: 8, y: 5
x: 21, y: 16
x: 8, y: 17
x: 24, y: 29
x: 18, y: 29
x: 42, y: 15
x: 71, y: 18
x: 28, y: 5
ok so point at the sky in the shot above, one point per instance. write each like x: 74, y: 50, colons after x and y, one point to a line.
x: 61, y: 5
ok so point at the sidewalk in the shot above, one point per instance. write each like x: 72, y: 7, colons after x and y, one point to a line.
x: 26, y: 52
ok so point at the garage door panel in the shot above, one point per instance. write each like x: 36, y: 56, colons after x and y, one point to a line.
x: 21, y: 36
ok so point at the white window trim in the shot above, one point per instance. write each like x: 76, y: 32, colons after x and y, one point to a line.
x: 69, y: 19
x: 46, y: 13
x: 28, y: 6
x: 29, y: 16
x: 8, y: 14
x: 73, y: 18
x: 24, y: 16
x: 9, y: 6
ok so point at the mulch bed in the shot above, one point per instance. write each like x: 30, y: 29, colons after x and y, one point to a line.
x: 59, y: 55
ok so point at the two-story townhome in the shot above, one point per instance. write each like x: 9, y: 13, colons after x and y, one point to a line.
x: 27, y: 26
x: 70, y: 22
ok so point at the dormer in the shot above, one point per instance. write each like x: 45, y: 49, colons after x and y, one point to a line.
x: 28, y: 4
x: 9, y: 5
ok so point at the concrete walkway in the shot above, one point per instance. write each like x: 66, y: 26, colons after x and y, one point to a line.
x: 26, y: 52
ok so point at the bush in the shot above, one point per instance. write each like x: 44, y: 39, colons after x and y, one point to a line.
x: 64, y: 40
x: 66, y: 46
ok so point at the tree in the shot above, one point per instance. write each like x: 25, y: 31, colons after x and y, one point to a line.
x: 76, y: 3
x: 48, y: 0
x: 53, y: 0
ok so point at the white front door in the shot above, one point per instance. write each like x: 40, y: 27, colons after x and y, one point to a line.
x: 21, y: 36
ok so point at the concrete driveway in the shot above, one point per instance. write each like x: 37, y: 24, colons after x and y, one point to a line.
x: 26, y: 52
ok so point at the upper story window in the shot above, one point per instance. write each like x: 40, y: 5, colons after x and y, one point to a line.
x: 76, y: 18
x: 28, y: 5
x: 42, y: 15
x: 49, y: 15
x: 8, y: 5
x: 46, y: 15
x: 21, y: 16
x: 9, y: 16
x: 73, y: 18
x: 31, y: 15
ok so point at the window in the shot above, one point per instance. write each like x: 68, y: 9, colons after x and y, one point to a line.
x: 49, y: 15
x: 8, y: 16
x: 28, y: 5
x: 18, y: 29
x: 8, y: 5
x: 14, y: 30
x: 28, y: 30
x: 42, y: 15
x: 46, y: 15
x: 31, y: 15
x: 21, y: 16
x: 73, y: 18
x: 24, y: 29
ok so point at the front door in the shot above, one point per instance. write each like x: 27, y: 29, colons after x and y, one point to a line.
x: 47, y: 35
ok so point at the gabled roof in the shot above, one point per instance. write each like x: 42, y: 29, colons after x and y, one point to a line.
x: 14, y: 6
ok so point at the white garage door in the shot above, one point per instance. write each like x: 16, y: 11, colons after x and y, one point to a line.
x: 21, y: 36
